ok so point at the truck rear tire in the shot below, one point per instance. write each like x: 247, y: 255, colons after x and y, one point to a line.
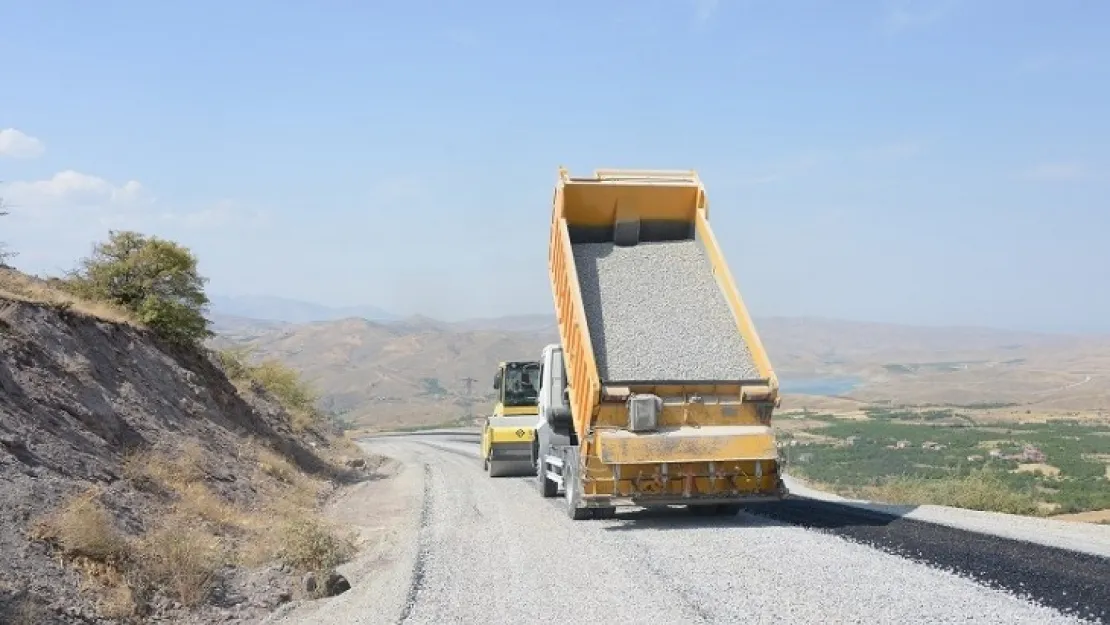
x: 573, y: 492
x: 548, y: 488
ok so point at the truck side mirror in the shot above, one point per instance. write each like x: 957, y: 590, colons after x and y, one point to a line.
x: 497, y: 381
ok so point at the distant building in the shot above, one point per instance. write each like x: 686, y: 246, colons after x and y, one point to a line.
x: 1030, y: 453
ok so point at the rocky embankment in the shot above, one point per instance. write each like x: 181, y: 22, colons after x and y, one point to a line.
x: 139, y: 482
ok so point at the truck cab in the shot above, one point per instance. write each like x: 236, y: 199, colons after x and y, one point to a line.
x: 508, y: 435
x: 555, y: 429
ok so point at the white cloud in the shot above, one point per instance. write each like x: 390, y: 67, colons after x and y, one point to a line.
x: 72, y: 189
x: 704, y: 9
x: 55, y: 220
x: 222, y: 213
x: 902, y: 15
x: 75, y: 200
x: 1056, y: 172
x: 16, y: 144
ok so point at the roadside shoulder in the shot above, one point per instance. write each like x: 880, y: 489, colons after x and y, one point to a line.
x: 1074, y: 536
x: 384, y: 514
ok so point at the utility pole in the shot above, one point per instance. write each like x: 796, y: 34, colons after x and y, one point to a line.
x: 469, y: 383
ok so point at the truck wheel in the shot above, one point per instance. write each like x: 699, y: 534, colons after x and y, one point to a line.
x: 548, y: 488
x: 572, y: 489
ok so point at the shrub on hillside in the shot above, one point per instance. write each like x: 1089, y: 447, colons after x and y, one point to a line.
x: 280, y: 380
x: 154, y: 279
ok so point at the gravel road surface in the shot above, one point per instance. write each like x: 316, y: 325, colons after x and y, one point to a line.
x: 471, y: 549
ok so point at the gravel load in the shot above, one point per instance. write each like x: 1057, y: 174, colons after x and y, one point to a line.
x: 655, y: 312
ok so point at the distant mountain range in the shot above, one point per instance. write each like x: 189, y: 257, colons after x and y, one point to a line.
x: 271, y: 308
x: 230, y: 313
x: 374, y: 367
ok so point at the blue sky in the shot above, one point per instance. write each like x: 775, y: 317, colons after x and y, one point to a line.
x: 941, y: 162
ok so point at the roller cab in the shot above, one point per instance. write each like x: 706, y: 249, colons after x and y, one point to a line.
x: 508, y: 436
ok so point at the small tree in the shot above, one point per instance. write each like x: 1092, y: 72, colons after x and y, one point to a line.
x: 155, y: 279
x: 5, y: 253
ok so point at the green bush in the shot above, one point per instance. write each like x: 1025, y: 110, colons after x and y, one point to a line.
x: 285, y: 384
x: 154, y: 279
x: 280, y: 380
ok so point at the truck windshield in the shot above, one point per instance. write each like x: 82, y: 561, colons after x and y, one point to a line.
x: 522, y: 382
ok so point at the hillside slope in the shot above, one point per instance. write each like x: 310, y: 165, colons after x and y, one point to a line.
x: 139, y: 484
x: 388, y: 374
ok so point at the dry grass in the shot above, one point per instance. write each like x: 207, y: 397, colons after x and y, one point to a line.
x: 285, y: 492
x: 83, y: 528
x: 284, y: 383
x: 311, y: 545
x: 18, y: 286
x: 199, y: 501
x: 173, y: 470
x: 181, y: 557
x: 982, y: 490
x: 85, y: 533
x: 1035, y: 467
x: 190, y: 538
x: 1091, y: 516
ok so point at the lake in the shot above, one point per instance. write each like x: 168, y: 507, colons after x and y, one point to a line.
x: 818, y: 386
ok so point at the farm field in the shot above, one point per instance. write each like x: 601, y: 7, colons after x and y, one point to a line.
x: 949, y: 456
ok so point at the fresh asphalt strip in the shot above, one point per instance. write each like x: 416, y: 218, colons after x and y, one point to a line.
x: 1072, y: 582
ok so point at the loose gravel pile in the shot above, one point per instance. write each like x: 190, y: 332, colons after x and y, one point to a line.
x: 655, y: 312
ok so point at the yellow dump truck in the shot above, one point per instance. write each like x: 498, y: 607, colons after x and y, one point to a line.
x: 660, y: 391
x: 508, y: 436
